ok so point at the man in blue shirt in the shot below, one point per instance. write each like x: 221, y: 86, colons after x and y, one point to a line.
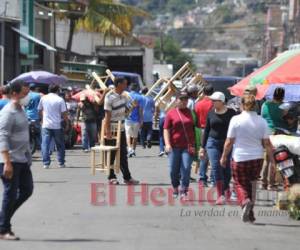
x: 32, y: 108
x: 148, y: 112
x: 32, y: 111
x: 135, y: 119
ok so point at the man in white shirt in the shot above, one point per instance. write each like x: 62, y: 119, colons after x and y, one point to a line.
x: 52, y: 109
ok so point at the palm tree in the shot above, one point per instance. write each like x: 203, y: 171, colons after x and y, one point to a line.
x: 104, y: 16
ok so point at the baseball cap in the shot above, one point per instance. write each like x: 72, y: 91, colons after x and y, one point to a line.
x: 250, y: 89
x: 218, y: 96
x: 182, y: 94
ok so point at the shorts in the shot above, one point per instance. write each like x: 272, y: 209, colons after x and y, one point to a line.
x: 132, y: 129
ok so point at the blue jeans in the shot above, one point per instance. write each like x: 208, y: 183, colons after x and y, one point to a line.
x: 161, y: 135
x: 203, y: 170
x: 89, y: 134
x: 180, y: 163
x: 16, y: 191
x: 58, y: 136
x: 146, y: 132
x: 214, y: 150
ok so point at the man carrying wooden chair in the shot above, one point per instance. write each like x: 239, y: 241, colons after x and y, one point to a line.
x: 115, y: 108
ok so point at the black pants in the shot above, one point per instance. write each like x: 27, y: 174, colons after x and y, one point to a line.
x: 123, y: 158
x: 146, y: 132
x: 16, y: 191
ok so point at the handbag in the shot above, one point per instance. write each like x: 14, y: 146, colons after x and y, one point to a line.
x: 191, y: 148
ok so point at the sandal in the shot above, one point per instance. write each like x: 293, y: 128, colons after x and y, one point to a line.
x: 113, y: 182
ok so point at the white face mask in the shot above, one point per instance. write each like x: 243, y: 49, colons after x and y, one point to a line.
x: 25, y: 100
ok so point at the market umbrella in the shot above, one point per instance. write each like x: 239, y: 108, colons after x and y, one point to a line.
x: 91, y: 94
x: 284, y: 69
x: 42, y: 77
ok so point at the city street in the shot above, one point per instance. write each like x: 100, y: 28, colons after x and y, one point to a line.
x: 60, y: 215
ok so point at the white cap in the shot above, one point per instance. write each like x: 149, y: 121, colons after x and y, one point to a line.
x: 218, y: 96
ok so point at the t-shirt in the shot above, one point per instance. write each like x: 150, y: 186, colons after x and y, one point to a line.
x: 135, y: 113
x: 273, y: 115
x: 14, y: 134
x: 3, y: 102
x: 148, y: 109
x: 248, y: 129
x: 116, y: 104
x: 174, y: 124
x: 53, y: 106
x: 191, y: 104
x: 202, y: 108
x: 89, y: 112
x: 32, y: 107
x: 217, y: 125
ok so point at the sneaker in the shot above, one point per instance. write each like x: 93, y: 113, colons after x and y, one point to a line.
x: 9, y: 236
x: 130, y: 153
x: 161, y: 154
x: 246, y: 211
x: 46, y: 166
x: 184, y: 196
x: 211, y: 185
x: 175, y: 193
x: 131, y: 182
x: 113, y: 181
x: 86, y: 150
x: 233, y: 196
x: 221, y: 200
x: 62, y: 166
x: 202, y: 183
x: 149, y: 144
x: 133, y: 153
x: 192, y: 179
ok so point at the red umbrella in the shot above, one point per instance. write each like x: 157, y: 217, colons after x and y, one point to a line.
x: 92, y: 95
x: 284, y: 69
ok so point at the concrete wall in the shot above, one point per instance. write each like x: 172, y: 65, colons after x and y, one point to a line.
x: 10, y: 9
x: 83, y: 42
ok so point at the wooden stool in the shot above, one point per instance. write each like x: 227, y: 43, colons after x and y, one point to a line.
x: 106, y: 151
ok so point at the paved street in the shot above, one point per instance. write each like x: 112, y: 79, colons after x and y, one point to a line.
x: 60, y: 216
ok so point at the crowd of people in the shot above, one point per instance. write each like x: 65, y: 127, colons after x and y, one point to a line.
x: 235, y: 143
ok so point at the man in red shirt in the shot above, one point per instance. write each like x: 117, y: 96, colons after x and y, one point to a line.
x: 202, y: 108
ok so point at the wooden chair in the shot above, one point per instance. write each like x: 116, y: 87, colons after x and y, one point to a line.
x: 101, y: 80
x: 109, y: 151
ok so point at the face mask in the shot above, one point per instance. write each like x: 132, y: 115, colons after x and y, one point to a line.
x: 25, y: 100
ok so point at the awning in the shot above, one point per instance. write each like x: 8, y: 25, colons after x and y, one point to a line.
x: 33, y: 39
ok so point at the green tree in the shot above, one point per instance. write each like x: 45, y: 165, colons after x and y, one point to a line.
x: 172, y: 53
x: 104, y: 16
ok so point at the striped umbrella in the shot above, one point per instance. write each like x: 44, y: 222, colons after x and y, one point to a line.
x: 284, y: 69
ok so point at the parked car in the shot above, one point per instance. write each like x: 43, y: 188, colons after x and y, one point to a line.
x: 131, y: 78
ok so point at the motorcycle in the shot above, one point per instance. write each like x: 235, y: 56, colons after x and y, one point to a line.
x: 288, y: 164
x: 287, y: 145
